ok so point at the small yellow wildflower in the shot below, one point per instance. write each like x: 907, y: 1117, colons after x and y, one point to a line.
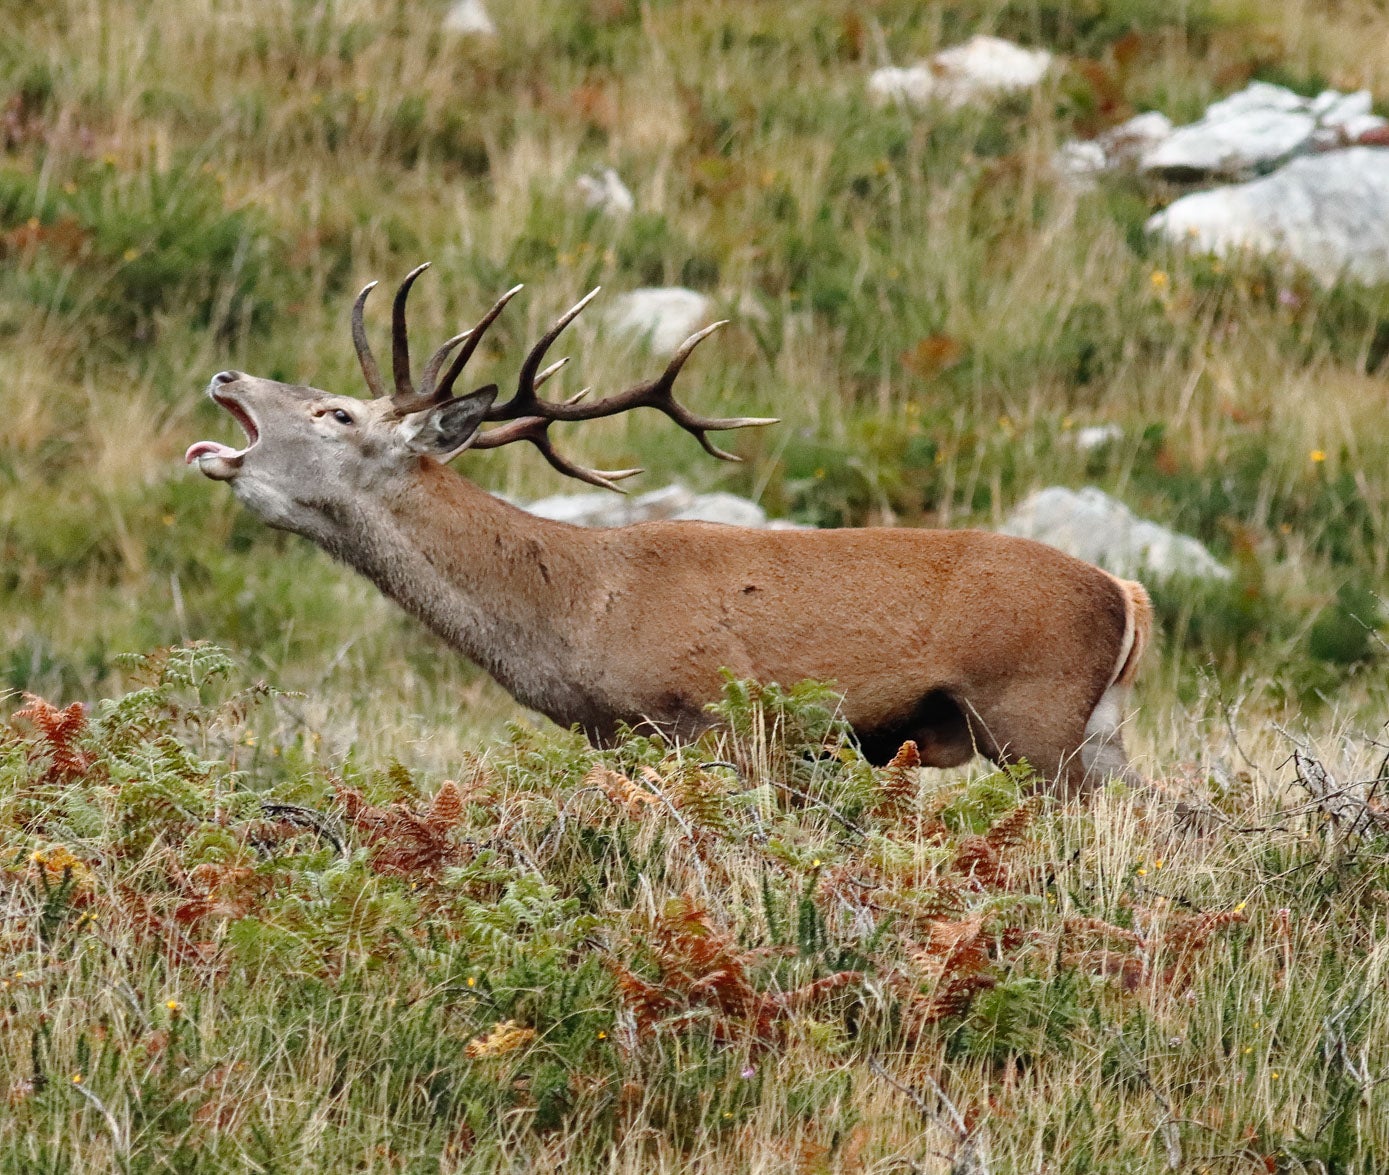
x: 1273, y: 1076
x: 1249, y: 1048
x: 471, y: 981
x: 1142, y: 872
x: 1158, y: 279
x: 1317, y: 456
x: 77, y: 1079
x: 602, y: 1035
x: 1239, y: 907
x: 173, y: 1006
x: 1158, y: 863
x: 815, y: 864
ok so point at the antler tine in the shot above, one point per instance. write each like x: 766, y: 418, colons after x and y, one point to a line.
x: 460, y: 361
x: 400, y: 342
x: 365, y: 358
x: 656, y: 393
x: 552, y: 370
x: 661, y: 396
x: 525, y: 401
x: 534, y: 429
x: 436, y: 361
x: 527, y: 416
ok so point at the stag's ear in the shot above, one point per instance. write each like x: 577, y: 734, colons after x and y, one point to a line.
x: 448, y: 428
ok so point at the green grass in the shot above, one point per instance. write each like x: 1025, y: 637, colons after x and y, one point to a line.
x: 228, y: 951
x: 186, y: 187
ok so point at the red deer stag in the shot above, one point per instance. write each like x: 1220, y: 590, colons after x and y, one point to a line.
x: 962, y: 640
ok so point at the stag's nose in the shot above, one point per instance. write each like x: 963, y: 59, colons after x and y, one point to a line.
x: 225, y: 377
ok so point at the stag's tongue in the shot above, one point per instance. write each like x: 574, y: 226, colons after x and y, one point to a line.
x: 211, y: 449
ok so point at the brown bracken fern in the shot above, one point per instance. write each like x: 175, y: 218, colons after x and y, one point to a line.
x: 405, y: 841
x: 703, y: 976
x: 60, y: 732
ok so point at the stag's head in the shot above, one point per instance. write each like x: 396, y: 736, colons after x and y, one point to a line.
x: 308, y: 452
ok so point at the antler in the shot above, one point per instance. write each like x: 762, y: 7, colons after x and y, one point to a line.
x: 406, y: 399
x: 528, y: 416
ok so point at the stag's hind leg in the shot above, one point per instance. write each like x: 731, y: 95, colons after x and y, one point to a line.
x: 1040, y: 721
x: 1102, y: 754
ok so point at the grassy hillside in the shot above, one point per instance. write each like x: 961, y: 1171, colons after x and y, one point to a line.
x: 187, y: 186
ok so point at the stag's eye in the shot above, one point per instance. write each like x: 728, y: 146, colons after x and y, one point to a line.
x: 341, y: 417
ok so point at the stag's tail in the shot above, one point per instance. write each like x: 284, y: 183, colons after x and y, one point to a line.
x: 1138, y: 628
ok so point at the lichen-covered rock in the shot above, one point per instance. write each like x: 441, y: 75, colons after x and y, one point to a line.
x: 1249, y: 132
x: 1259, y: 127
x: 1090, y: 525
x: 673, y: 502
x: 975, y: 71
x: 1327, y: 213
x: 1122, y: 146
x: 664, y: 316
x: 469, y: 18
x: 603, y: 190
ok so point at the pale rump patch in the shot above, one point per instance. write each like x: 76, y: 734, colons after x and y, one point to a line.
x: 1102, y: 753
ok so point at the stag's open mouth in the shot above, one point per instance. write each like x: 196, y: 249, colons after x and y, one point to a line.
x: 215, y: 459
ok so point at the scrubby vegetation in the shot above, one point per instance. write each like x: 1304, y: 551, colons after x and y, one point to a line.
x: 754, y: 952
x: 258, y: 928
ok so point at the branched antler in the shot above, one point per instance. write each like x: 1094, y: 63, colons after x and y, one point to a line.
x: 527, y: 417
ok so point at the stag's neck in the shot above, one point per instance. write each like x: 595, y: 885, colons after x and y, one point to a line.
x: 500, y: 585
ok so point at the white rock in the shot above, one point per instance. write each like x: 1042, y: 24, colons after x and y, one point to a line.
x: 974, y: 71
x: 1130, y: 140
x: 675, y: 502
x: 1096, y: 435
x: 603, y: 189
x: 1080, y: 160
x: 1259, y: 127
x: 664, y: 316
x: 1232, y: 145
x: 912, y: 85
x: 1091, y: 525
x: 469, y: 18
x: 1328, y: 213
x: 724, y: 507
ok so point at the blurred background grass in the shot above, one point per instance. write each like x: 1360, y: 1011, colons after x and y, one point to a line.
x: 192, y: 185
